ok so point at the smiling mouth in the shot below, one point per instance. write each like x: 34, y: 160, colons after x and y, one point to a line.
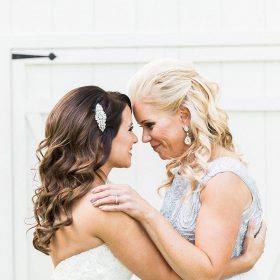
x: 155, y: 147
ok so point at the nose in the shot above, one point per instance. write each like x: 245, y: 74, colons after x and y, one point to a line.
x: 146, y: 137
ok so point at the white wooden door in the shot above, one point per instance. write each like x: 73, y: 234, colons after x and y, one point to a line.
x: 249, y: 95
x: 37, y: 85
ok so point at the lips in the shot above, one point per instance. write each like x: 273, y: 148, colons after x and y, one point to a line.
x: 155, y: 147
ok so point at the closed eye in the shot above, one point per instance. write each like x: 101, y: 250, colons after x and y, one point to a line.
x: 148, y: 125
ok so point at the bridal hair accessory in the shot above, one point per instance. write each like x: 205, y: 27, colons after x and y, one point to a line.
x: 188, y: 139
x: 100, y: 117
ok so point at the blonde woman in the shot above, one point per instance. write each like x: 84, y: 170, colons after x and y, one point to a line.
x: 210, y: 197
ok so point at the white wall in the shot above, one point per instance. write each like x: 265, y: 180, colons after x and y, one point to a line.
x: 59, y: 16
x: 236, y: 43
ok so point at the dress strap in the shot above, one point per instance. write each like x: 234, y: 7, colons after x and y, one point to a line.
x: 229, y: 164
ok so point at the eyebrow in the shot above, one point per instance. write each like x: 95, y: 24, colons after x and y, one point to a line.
x: 146, y: 121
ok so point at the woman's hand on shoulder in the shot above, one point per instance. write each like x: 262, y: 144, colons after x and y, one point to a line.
x: 130, y: 244
x: 120, y: 197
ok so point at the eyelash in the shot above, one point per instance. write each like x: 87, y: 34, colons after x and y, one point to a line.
x: 131, y: 128
x: 148, y: 125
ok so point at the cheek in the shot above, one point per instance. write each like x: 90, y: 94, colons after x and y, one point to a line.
x: 173, y: 138
x: 160, y: 132
x: 164, y: 134
x: 126, y: 142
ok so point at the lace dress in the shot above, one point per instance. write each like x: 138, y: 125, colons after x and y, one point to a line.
x: 95, y: 264
x: 183, y: 215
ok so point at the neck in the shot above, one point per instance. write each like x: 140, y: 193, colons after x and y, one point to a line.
x: 105, y: 170
x: 219, y: 151
x: 216, y: 152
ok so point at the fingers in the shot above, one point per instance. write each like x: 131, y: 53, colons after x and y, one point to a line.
x: 112, y: 199
x: 111, y: 208
x: 262, y: 232
x: 250, y: 230
x: 102, y: 188
x: 103, y: 194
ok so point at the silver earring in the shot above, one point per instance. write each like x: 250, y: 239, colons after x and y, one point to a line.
x: 188, y: 139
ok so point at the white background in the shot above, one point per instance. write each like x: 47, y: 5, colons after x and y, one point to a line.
x: 102, y: 42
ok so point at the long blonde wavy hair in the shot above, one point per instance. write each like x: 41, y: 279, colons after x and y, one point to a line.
x: 170, y: 84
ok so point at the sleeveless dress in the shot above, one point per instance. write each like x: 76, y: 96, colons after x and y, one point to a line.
x: 95, y: 264
x: 183, y: 215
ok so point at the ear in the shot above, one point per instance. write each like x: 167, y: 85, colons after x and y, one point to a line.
x: 185, y: 115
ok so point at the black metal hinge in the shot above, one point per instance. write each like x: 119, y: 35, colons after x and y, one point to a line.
x: 51, y: 56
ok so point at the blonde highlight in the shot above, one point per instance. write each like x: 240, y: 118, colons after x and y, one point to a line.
x: 171, y: 84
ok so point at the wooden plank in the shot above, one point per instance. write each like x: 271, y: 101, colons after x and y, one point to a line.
x: 271, y: 78
x: 115, y: 16
x: 72, y: 16
x: 154, y: 15
x: 241, y: 55
x: 139, y: 40
x: 243, y: 15
x: 31, y: 16
x: 38, y: 81
x: 36, y: 124
x: 242, y: 80
x: 272, y: 20
x: 200, y: 17
x: 19, y: 172
x: 5, y: 17
x: 6, y: 175
x: 272, y: 135
x: 66, y: 77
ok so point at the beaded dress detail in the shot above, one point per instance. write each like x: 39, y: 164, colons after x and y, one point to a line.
x: 183, y: 214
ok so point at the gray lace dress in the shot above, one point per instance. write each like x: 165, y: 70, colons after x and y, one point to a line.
x: 183, y: 215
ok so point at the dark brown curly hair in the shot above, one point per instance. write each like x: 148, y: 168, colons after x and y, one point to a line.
x: 71, y: 155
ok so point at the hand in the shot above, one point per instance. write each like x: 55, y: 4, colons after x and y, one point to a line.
x: 254, y: 246
x: 117, y: 197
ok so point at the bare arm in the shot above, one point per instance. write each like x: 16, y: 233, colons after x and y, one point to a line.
x: 131, y: 245
x: 252, y: 251
x: 217, y: 228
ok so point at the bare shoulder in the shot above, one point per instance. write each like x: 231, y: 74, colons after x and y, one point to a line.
x: 226, y: 186
x: 99, y: 223
x: 129, y: 243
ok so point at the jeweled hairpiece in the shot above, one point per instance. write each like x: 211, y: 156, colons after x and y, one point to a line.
x: 100, y: 117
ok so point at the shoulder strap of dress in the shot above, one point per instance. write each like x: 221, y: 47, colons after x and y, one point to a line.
x: 229, y: 164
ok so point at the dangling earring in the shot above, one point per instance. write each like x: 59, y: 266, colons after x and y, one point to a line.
x: 188, y: 139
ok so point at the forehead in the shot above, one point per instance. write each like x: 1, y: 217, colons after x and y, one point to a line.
x: 143, y: 111
x: 126, y: 116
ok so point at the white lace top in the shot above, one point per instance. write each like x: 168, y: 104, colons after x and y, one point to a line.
x: 183, y: 215
x: 95, y: 264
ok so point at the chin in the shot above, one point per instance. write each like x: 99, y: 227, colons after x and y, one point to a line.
x: 163, y: 157
x: 126, y: 165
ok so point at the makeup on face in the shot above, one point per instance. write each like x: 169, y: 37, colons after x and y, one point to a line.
x: 122, y: 144
x: 163, y: 130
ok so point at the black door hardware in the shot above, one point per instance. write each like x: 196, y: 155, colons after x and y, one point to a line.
x: 51, y: 56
